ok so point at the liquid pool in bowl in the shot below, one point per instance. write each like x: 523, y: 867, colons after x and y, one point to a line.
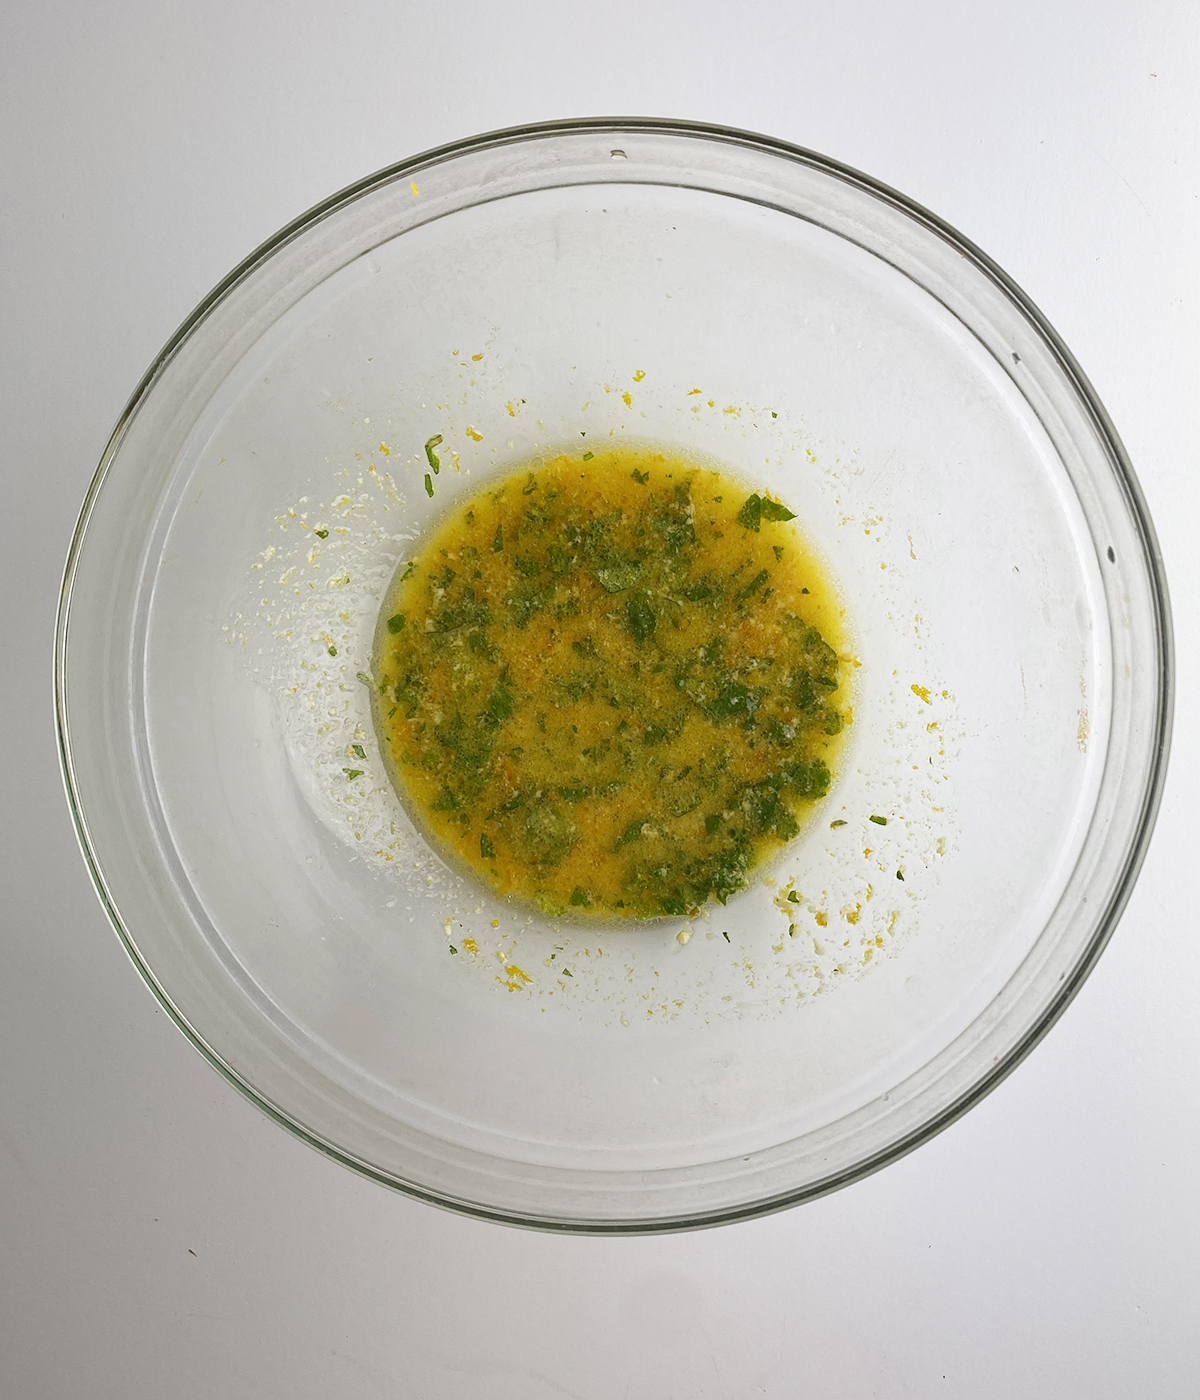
x: 725, y: 296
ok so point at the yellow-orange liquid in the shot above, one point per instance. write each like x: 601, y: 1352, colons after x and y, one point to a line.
x: 611, y: 685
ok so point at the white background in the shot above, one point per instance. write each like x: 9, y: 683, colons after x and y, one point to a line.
x: 158, y: 1236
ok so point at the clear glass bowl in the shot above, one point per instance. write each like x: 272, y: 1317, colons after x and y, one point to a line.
x: 822, y: 337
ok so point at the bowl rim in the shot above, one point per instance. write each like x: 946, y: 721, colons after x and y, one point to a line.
x: 1087, y: 397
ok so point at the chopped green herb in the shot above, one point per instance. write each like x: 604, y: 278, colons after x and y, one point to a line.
x: 428, y: 484
x: 753, y: 586
x: 431, y: 456
x: 724, y: 935
x: 498, y: 541
x: 778, y: 548
x: 793, y: 896
x: 580, y: 897
x: 640, y: 619
x: 321, y: 534
x: 501, y: 704
x: 587, y: 456
x: 840, y: 822
x: 774, y: 510
x: 486, y: 849
x: 879, y: 821
x: 395, y: 623
x: 640, y: 477
x: 900, y: 873
x: 566, y: 972
x: 332, y: 650
x: 366, y: 680
x: 750, y: 515
x: 353, y: 772
x: 358, y: 751
x: 453, y: 949
x: 409, y: 571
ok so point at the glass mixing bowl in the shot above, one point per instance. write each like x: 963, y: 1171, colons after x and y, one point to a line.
x: 825, y: 339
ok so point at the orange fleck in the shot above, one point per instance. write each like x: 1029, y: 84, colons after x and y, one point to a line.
x: 628, y: 398
x: 922, y: 693
x: 477, y: 437
x: 385, y: 450
x: 639, y: 376
x: 477, y: 357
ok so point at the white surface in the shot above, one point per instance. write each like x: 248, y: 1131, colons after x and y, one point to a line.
x: 157, y: 1235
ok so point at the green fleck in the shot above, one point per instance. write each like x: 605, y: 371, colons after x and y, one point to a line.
x: 750, y: 515
x: 793, y: 896
x: 321, y: 534
x: 778, y: 548
x: 580, y: 897
x: 395, y: 623
x: 753, y: 586
x: 331, y: 650
x: 900, y: 874
x: 431, y: 456
x: 446, y: 801
x: 639, y: 618
x: 774, y: 414
x: 834, y: 723
x: 453, y: 949
x: 428, y: 484
x: 880, y: 821
x: 587, y: 456
x: 501, y: 704
x: 640, y: 477
x: 366, y: 680
x: 353, y: 772
x: 531, y: 485
x: 654, y: 735
x: 486, y: 849
x: 711, y: 823
x: 775, y: 510
x: 839, y: 822
x: 498, y: 541
x: 724, y: 935
x: 409, y: 571
x: 358, y: 751
x: 566, y: 972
